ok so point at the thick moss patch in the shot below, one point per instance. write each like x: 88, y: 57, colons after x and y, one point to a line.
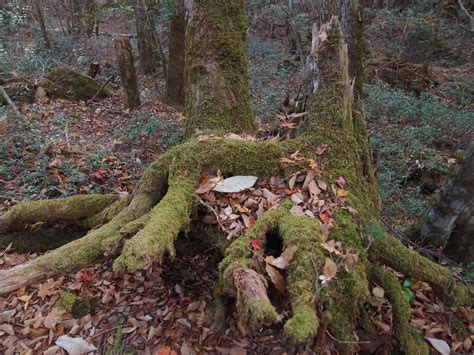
x: 67, y: 84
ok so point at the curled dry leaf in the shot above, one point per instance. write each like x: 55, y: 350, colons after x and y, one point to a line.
x: 329, y: 271
x: 440, y: 345
x: 284, y: 259
x: 74, y: 346
x: 276, y: 278
x: 378, y: 292
x: 235, y: 184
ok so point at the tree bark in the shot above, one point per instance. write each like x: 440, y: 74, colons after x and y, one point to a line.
x: 175, y: 78
x: 128, y: 75
x: 146, y: 39
x: 448, y: 223
x: 41, y: 20
x: 217, y: 93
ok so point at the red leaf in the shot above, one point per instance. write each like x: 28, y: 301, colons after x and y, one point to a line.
x: 341, y: 182
x: 97, y: 175
x: 325, y: 217
x: 84, y: 276
x: 256, y: 244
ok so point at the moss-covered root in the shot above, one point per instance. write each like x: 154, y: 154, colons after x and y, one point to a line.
x: 388, y: 250
x: 69, y: 208
x: 253, y: 305
x: 304, y: 233
x: 401, y: 312
x: 236, y: 276
x: 170, y: 216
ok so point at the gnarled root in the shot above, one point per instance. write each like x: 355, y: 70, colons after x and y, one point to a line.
x: 401, y: 312
x: 49, y: 211
x: 390, y: 251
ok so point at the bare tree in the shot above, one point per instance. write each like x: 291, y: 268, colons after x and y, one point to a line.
x: 128, y: 75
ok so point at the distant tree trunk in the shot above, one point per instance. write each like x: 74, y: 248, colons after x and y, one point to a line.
x: 146, y: 38
x: 76, y: 16
x: 175, y: 76
x: 90, y: 17
x: 40, y: 15
x: 449, y: 222
x: 217, y: 92
x: 127, y: 71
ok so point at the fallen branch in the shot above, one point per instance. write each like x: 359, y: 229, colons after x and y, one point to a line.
x: 10, y: 102
x: 100, y: 89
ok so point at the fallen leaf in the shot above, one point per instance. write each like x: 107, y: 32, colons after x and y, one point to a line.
x: 74, y: 346
x: 378, y: 291
x: 440, y: 345
x: 341, y: 182
x: 6, y: 328
x: 284, y: 259
x: 342, y: 193
x: 321, y: 149
x: 297, y: 211
x: 329, y: 271
x: 276, y: 278
x: 256, y: 244
x: 235, y: 184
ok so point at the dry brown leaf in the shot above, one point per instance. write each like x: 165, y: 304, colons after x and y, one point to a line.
x: 276, y: 278
x: 329, y: 271
x: 297, y: 211
x: 378, y: 291
x: 284, y: 259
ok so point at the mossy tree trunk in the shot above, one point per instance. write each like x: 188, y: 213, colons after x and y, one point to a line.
x: 175, y: 78
x: 39, y: 14
x: 128, y: 75
x: 146, y: 38
x: 448, y: 223
x: 144, y: 229
x: 217, y: 92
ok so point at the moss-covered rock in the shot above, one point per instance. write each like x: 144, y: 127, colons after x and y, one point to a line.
x: 67, y: 84
x: 77, y: 306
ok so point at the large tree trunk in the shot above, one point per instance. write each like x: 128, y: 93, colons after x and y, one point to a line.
x: 449, y: 222
x: 128, y: 75
x: 143, y: 230
x: 175, y: 78
x: 217, y: 92
x: 146, y: 38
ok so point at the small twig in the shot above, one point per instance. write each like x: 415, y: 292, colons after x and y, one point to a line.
x: 215, y: 215
x: 107, y: 330
x: 100, y: 89
x: 10, y: 102
x: 346, y: 342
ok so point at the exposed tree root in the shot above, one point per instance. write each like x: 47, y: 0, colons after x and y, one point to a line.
x: 401, y: 312
x: 46, y: 211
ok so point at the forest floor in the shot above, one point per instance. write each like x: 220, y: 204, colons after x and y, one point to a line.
x: 60, y: 148
x: 103, y: 148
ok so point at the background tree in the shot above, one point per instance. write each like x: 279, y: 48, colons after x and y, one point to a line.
x: 146, y: 37
x: 175, y: 78
x: 128, y: 75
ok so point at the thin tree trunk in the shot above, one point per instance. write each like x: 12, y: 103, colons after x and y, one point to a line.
x: 90, y: 17
x: 217, y: 92
x: 146, y: 39
x: 175, y: 79
x: 41, y: 20
x: 127, y: 71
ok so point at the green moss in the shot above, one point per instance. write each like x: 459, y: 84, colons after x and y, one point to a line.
x: 303, y: 325
x: 401, y: 312
x: 257, y: 312
x: 69, y: 208
x: 77, y: 306
x: 392, y: 252
x: 67, y: 84
x: 167, y: 219
x: 218, y: 97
